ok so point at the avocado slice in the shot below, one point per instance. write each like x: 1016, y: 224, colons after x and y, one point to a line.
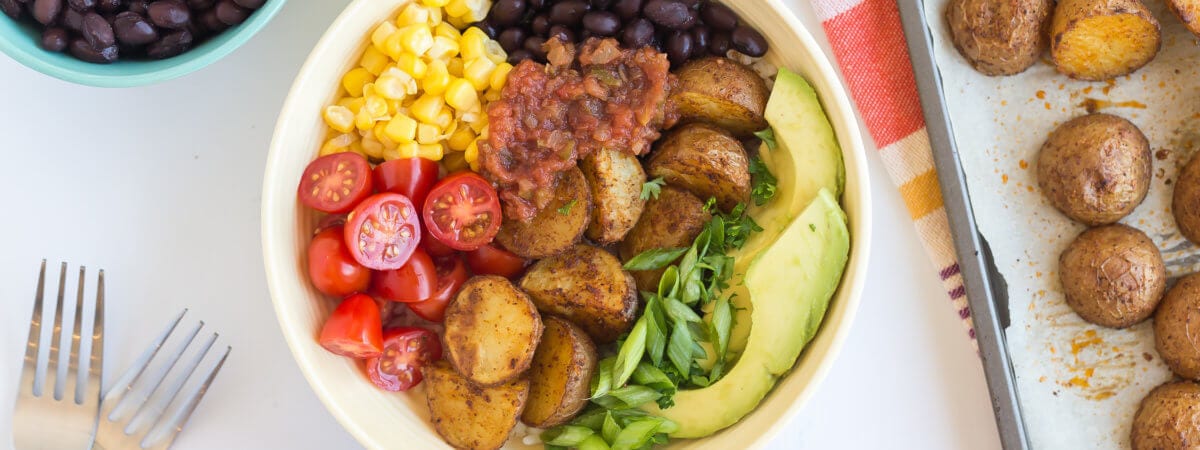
x: 789, y: 286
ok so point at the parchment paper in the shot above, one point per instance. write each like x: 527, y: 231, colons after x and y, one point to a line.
x: 1079, y: 385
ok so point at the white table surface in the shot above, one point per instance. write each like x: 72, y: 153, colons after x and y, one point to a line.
x: 160, y: 186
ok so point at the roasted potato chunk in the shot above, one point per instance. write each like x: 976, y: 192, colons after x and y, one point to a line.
x: 615, y: 179
x: 587, y: 286
x: 722, y: 92
x: 1095, y: 168
x: 674, y: 219
x: 492, y: 331
x: 1168, y: 418
x: 469, y: 416
x: 999, y: 37
x: 706, y: 161
x: 1102, y: 39
x: 561, y: 375
x: 556, y: 227
x: 1112, y: 275
x: 1188, y: 12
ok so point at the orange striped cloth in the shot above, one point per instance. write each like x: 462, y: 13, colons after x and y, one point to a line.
x: 869, y: 45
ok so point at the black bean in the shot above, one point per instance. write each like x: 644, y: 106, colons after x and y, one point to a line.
x: 638, y: 34
x: 45, y: 11
x: 108, y: 5
x: 55, y: 39
x: 533, y: 45
x: 507, y: 12
x: 71, y: 19
x: 568, y: 12
x: 170, y: 45
x: 133, y: 30
x: 488, y: 27
x: 600, y: 5
x: 537, y: 5
x: 230, y: 13
x: 540, y: 24
x: 518, y: 56
x: 700, y: 34
x: 80, y: 49
x: 211, y: 22
x: 673, y: 14
x: 602, y: 23
x: 694, y: 5
x: 199, y: 5
x: 679, y: 47
x: 139, y: 7
x: 627, y: 9
x: 97, y: 31
x: 584, y: 35
x: 171, y: 14
x: 250, y: 4
x: 562, y: 33
x: 12, y: 8
x: 719, y: 16
x: 81, y: 5
x: 512, y: 38
x: 718, y: 43
x: 748, y: 41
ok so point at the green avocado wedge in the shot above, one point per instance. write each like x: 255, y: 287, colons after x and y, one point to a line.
x: 789, y: 285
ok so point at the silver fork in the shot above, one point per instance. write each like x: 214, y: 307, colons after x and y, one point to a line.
x: 121, y: 429
x: 72, y: 414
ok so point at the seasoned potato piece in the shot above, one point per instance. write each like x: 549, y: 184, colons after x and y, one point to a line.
x: 468, y: 416
x: 1112, y: 275
x: 492, y: 330
x: 1102, y: 39
x: 999, y: 37
x: 561, y: 374
x: 556, y: 227
x: 1095, y: 168
x: 1185, y: 202
x: 1168, y: 418
x: 587, y: 286
x: 674, y: 219
x: 706, y: 161
x: 722, y: 92
x: 616, y: 179
x: 1188, y: 12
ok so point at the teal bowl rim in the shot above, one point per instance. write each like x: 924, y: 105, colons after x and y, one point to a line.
x: 128, y: 73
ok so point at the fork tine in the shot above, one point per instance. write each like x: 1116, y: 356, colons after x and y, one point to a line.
x: 96, y: 367
x: 182, y: 378
x: 74, y: 362
x: 180, y: 417
x: 33, y: 345
x: 52, y: 380
x: 163, y: 376
x: 123, y: 385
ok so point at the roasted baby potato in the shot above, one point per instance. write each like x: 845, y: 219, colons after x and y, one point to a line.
x: 1188, y: 12
x: 1169, y: 418
x: 999, y: 37
x: 557, y: 226
x: 587, y: 286
x: 674, y: 219
x: 492, y: 330
x: 561, y: 375
x: 1173, y: 338
x: 704, y: 160
x: 1185, y: 202
x: 1112, y: 276
x: 615, y: 179
x: 722, y: 92
x: 1102, y: 39
x: 469, y: 416
x: 1095, y: 168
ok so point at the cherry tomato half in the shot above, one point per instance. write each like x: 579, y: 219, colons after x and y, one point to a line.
x: 413, y: 282
x: 492, y: 260
x: 335, y: 183
x: 331, y: 267
x: 410, y: 177
x: 354, y: 329
x: 405, y: 351
x: 452, y: 273
x: 330, y: 221
x: 434, y: 247
x: 383, y: 231
x: 463, y: 211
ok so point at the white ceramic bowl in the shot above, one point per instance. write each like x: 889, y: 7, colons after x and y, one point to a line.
x: 381, y: 420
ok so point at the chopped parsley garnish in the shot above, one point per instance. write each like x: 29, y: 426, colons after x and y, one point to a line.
x: 566, y: 209
x: 762, y: 182
x: 768, y: 137
x: 652, y: 188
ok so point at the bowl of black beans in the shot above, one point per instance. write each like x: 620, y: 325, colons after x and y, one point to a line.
x: 121, y: 43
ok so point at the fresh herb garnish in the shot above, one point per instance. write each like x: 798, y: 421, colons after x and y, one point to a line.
x: 655, y: 259
x: 768, y: 136
x: 566, y: 209
x: 762, y: 182
x: 652, y: 188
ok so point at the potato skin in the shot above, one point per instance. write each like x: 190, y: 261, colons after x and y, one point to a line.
x: 561, y: 375
x: 1095, y: 168
x: 999, y: 37
x: 1185, y: 201
x: 550, y: 231
x: 1176, y: 342
x: 1188, y: 12
x: 615, y: 179
x: 492, y: 331
x: 587, y: 286
x: 722, y: 92
x: 1098, y: 40
x: 469, y: 416
x: 706, y: 161
x: 1168, y: 418
x: 1112, y: 276
x: 674, y: 219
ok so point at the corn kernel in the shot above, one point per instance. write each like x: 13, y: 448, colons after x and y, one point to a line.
x: 457, y: 8
x: 364, y: 120
x: 461, y: 95
x: 436, y: 79
x: 455, y: 67
x: 495, y: 52
x: 413, y: 14
x: 479, y: 72
x: 355, y: 79
x: 432, y: 152
x: 480, y: 126
x: 444, y: 119
x: 409, y: 150
x: 395, y: 106
x: 339, y: 118
x: 471, y: 154
x: 472, y: 43
x: 500, y: 76
x: 427, y: 107
x: 381, y: 34
x: 373, y: 60
x: 416, y: 38
x: 435, y: 16
x: 447, y: 30
x: 401, y: 129
x: 395, y: 84
x: 442, y: 48
x: 461, y: 138
x: 428, y: 133
x: 368, y: 90
x: 457, y: 22
x: 390, y: 154
x: 377, y: 107
x: 412, y: 65
x: 371, y: 146
x: 337, y: 144
x: 435, y: 3
x: 357, y: 147
x: 454, y: 162
x: 491, y: 95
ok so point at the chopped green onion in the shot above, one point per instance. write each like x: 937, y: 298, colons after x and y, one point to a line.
x: 566, y: 435
x: 655, y: 259
x: 636, y: 434
x: 593, y: 442
x: 678, y: 311
x: 602, y: 381
x: 630, y: 354
x: 679, y: 350
x: 610, y: 429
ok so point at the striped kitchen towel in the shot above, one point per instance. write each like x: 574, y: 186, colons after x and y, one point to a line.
x: 869, y: 45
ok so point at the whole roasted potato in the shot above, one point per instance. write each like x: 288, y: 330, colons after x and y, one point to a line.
x: 706, y: 161
x: 1095, y: 168
x: 1188, y: 12
x: 492, y: 331
x: 1112, y: 276
x: 556, y: 227
x: 587, y: 286
x: 999, y: 37
x: 616, y: 179
x: 722, y: 92
x: 1176, y: 342
x: 1102, y: 39
x: 561, y: 375
x: 470, y: 416
x: 1185, y: 203
x: 1169, y: 418
x: 674, y: 219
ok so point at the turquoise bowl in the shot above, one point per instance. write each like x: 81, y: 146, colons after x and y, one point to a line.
x: 21, y: 41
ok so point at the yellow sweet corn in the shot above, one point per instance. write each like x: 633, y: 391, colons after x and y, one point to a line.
x: 500, y: 76
x: 339, y: 118
x: 427, y: 107
x: 377, y: 107
x: 401, y: 129
x: 447, y: 30
x: 479, y: 72
x: 355, y: 79
x: 461, y: 95
x: 454, y: 162
x: 338, y: 144
x: 435, y: 3
x: 443, y: 48
x: 457, y: 22
x: 408, y: 150
x: 468, y: 10
x: 461, y: 138
x: 381, y: 34
x: 414, y: 13
x: 391, y: 153
x: 436, y: 78
x: 455, y: 67
x: 371, y: 146
x: 357, y: 147
x: 416, y: 38
x: 471, y: 155
x: 364, y: 120
x: 444, y: 119
x: 354, y: 104
x: 373, y: 60
x: 412, y: 65
x: 432, y: 152
x: 428, y: 133
x: 494, y: 51
x: 472, y: 45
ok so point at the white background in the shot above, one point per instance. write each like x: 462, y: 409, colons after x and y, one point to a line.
x: 160, y: 186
